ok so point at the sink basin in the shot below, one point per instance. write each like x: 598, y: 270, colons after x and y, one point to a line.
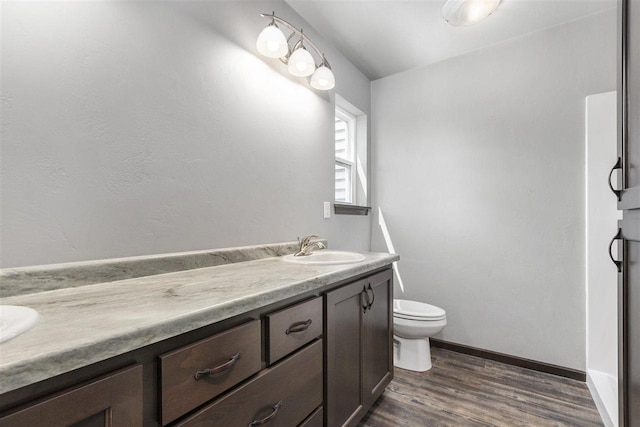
x: 15, y: 320
x: 325, y: 257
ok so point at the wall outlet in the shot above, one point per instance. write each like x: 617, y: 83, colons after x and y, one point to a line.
x: 327, y: 209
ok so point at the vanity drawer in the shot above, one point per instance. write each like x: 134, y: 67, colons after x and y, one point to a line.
x: 293, y: 327
x: 219, y: 363
x: 281, y: 396
x: 314, y: 420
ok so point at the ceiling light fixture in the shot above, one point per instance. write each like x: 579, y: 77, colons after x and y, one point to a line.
x: 468, y: 12
x: 273, y: 44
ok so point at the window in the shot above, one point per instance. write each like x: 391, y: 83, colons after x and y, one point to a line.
x: 345, y: 156
x: 350, y: 174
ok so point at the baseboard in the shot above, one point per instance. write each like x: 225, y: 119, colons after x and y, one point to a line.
x: 511, y: 360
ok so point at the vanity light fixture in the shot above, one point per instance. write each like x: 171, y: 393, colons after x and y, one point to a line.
x: 273, y: 44
x: 468, y: 12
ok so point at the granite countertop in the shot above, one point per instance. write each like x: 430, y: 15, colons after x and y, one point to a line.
x: 79, y: 326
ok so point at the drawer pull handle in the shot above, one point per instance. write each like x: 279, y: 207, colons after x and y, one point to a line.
x: 218, y: 369
x: 298, y: 327
x: 268, y: 417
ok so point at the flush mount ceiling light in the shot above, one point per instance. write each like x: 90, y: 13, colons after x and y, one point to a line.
x: 468, y: 12
x: 273, y: 44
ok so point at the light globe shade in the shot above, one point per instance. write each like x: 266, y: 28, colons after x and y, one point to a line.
x: 301, y: 63
x: 467, y: 12
x: 272, y: 43
x: 323, y: 79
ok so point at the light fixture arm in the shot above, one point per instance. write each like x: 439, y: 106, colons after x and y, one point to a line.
x: 298, y: 32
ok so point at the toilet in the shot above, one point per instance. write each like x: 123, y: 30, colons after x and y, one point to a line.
x: 413, y: 323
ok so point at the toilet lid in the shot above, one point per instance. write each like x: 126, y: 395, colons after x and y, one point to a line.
x: 417, y: 310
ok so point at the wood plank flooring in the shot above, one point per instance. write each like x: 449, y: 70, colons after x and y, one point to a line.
x: 462, y: 390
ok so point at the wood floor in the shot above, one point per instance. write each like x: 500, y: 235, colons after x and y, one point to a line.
x: 462, y: 390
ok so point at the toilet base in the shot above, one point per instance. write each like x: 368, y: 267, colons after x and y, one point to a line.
x: 412, y: 354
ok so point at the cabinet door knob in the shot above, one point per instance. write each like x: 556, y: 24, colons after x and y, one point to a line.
x: 618, y: 165
x: 373, y: 296
x: 218, y: 369
x: 367, y: 304
x: 617, y: 263
x: 298, y: 327
x: 268, y: 417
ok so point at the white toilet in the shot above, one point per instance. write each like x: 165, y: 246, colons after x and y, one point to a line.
x: 413, y: 323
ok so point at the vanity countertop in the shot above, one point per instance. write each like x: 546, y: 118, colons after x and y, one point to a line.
x: 83, y: 325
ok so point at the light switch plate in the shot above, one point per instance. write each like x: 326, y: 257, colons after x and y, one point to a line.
x: 327, y: 209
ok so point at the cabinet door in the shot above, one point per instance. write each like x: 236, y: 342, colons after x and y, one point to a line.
x: 629, y: 103
x: 114, y: 400
x: 629, y: 311
x: 343, y: 354
x: 377, y: 362
x: 629, y: 201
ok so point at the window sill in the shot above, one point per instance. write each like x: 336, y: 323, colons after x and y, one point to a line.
x: 344, y: 209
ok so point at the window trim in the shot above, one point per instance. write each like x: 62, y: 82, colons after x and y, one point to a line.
x: 349, y: 163
x: 346, y: 209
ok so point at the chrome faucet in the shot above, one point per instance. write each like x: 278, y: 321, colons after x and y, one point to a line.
x: 306, y: 246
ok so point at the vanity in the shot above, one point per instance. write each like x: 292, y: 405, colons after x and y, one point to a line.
x: 258, y: 342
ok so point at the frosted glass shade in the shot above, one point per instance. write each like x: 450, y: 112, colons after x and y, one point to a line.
x: 467, y: 12
x: 301, y: 63
x: 272, y: 43
x: 323, y: 79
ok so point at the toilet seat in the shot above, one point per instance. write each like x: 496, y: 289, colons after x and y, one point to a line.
x: 419, y: 311
x: 419, y: 319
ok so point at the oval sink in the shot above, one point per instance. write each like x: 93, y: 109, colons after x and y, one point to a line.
x: 15, y: 320
x: 326, y: 257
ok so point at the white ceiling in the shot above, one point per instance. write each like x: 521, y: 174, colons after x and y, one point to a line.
x: 384, y: 37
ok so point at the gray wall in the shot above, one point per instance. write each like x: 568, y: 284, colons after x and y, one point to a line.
x: 479, y: 169
x: 131, y: 128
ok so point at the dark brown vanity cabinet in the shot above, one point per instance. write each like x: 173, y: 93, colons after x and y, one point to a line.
x: 326, y: 353
x: 114, y: 400
x: 359, y: 344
